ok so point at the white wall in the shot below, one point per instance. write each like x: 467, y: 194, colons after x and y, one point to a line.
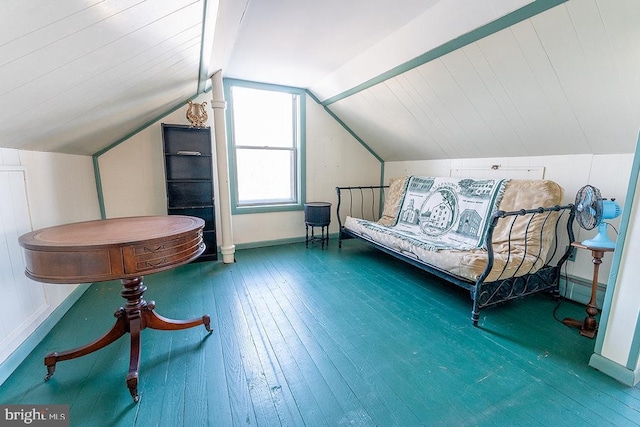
x: 60, y: 189
x: 132, y: 175
x: 610, y: 173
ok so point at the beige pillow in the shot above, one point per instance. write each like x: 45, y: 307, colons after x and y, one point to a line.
x: 527, y: 194
x: 393, y: 198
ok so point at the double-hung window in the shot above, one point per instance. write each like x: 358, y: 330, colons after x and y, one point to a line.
x: 265, y: 125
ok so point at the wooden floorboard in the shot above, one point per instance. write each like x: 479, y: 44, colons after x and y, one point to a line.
x: 363, y: 392
x: 311, y: 337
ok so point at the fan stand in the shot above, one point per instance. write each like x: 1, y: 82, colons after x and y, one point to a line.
x: 600, y: 240
x: 589, y: 326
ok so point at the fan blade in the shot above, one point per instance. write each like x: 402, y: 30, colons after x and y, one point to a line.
x: 588, y: 196
x: 588, y: 207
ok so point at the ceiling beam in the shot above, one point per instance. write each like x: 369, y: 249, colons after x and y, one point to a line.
x: 499, y: 24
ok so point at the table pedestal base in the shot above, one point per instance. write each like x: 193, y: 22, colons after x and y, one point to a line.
x: 135, y: 316
x: 589, y: 327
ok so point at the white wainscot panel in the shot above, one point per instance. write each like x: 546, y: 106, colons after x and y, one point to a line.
x: 23, y: 300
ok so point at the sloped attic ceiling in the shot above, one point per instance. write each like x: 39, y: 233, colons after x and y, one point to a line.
x: 414, y: 79
x: 78, y: 75
x: 465, y: 79
x: 566, y: 81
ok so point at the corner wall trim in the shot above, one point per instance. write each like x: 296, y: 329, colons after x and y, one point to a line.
x: 98, y: 180
x: 353, y: 134
x: 618, y: 372
x: 96, y: 155
x: 345, y: 127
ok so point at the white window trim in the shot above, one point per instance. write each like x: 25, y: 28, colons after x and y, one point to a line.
x: 300, y: 167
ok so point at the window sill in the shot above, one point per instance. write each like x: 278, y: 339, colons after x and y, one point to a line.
x: 240, y: 210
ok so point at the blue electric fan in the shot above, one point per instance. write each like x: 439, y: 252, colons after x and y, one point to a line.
x: 591, y: 211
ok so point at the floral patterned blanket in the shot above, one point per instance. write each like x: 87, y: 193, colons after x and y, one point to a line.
x: 445, y: 213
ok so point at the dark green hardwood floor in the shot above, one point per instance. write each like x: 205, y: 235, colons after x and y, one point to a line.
x: 311, y: 337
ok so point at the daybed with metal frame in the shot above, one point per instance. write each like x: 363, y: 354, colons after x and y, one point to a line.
x: 521, y: 251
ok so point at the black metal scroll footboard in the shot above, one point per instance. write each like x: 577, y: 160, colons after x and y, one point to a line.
x: 485, y: 294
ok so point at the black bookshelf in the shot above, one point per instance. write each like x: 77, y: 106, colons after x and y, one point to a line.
x: 189, y: 178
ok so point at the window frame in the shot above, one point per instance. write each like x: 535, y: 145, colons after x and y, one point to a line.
x: 299, y: 178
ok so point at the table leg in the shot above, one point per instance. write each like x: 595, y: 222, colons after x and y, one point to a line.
x: 589, y: 326
x: 327, y: 236
x: 324, y: 234
x: 134, y: 359
x: 118, y: 330
x: 153, y: 320
x: 326, y: 239
x: 134, y: 317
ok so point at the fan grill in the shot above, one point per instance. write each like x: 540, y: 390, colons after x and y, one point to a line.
x: 588, y: 207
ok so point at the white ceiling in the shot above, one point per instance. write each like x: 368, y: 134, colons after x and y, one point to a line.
x: 299, y: 42
x: 77, y: 76
x: 333, y: 45
x: 566, y: 81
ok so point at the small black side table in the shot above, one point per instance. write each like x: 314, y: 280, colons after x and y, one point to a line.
x: 317, y: 214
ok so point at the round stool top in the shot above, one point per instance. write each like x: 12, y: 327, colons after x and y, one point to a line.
x: 318, y: 204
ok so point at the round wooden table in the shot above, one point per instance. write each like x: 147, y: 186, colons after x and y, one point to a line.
x: 118, y: 248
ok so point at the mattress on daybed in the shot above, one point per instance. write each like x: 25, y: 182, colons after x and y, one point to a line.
x: 469, y: 264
